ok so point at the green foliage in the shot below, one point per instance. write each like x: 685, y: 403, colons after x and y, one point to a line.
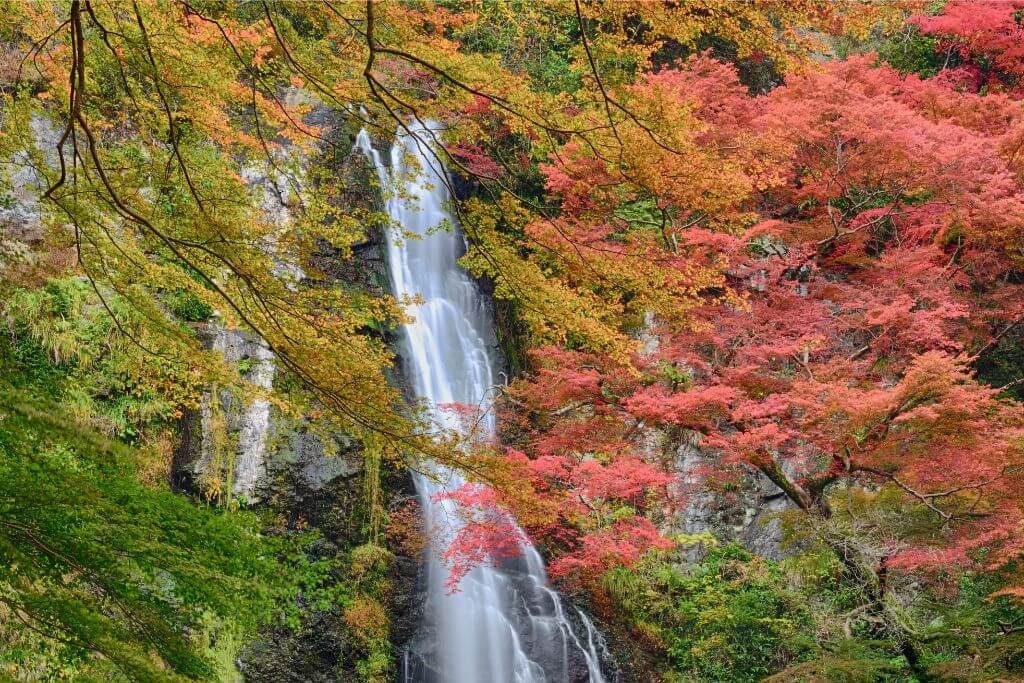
x: 102, y: 565
x: 737, y: 617
x: 971, y: 636
x: 63, y: 343
x: 188, y: 306
x: 729, y: 618
x: 530, y: 39
x: 911, y: 52
x: 679, y: 378
x: 846, y: 661
x: 645, y: 215
x: 952, y: 619
x: 369, y: 564
x: 1003, y: 365
x: 245, y: 365
x: 101, y: 575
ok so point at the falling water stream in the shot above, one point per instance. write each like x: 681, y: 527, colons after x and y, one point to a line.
x: 505, y: 624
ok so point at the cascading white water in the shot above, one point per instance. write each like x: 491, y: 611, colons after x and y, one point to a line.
x: 505, y: 624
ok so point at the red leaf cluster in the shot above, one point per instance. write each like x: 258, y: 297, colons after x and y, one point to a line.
x: 873, y: 250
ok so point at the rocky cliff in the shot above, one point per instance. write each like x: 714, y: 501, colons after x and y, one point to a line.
x: 243, y: 450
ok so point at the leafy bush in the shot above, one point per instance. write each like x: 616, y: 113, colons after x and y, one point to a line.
x: 914, y: 53
x: 729, y: 618
x: 365, y: 615
x: 188, y: 306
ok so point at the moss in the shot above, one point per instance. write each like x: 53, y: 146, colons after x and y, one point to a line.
x: 512, y: 337
x: 222, y: 643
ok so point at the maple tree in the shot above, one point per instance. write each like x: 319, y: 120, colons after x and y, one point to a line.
x: 154, y: 211
x: 150, y: 201
x: 984, y: 37
x: 860, y: 234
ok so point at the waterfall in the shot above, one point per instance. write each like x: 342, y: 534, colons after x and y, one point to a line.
x: 505, y: 624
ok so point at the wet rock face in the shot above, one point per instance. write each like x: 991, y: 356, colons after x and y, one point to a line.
x: 214, y: 436
x: 22, y: 182
x: 318, y: 650
x: 20, y: 212
x: 748, y: 515
x: 367, y: 269
x: 408, y: 578
x: 314, y: 654
x: 248, y: 446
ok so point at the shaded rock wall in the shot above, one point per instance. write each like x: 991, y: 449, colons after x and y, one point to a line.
x: 258, y: 448
x: 747, y: 513
x: 310, y: 476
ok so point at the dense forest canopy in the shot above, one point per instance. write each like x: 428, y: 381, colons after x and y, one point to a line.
x: 788, y: 233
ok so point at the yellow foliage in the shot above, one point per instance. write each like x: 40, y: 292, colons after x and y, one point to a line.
x: 368, y: 620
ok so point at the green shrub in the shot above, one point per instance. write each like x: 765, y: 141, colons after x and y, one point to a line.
x: 912, y: 52
x: 114, y: 573
x: 729, y: 618
x: 189, y: 307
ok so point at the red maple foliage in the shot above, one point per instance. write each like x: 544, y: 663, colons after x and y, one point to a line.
x: 873, y: 259
x: 988, y: 37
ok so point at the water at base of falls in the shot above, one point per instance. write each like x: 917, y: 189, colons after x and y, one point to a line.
x: 505, y: 624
